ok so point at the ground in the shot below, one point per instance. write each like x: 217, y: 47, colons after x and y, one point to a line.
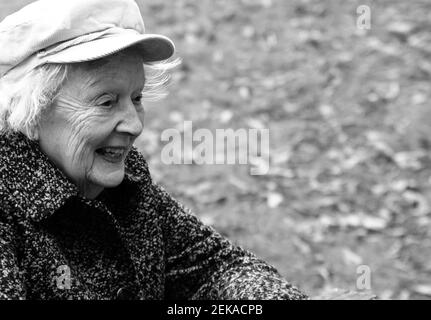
x: 349, y: 120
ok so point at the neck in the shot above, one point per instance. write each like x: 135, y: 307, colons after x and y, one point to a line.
x: 90, y: 191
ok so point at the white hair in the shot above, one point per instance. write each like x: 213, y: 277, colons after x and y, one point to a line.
x: 24, y: 95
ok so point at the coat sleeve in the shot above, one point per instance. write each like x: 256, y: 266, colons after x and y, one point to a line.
x: 11, y: 284
x: 201, y: 264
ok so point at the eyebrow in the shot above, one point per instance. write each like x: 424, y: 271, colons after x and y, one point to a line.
x: 92, y: 83
x: 96, y: 65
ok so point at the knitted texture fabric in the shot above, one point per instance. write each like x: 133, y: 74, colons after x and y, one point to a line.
x: 132, y: 242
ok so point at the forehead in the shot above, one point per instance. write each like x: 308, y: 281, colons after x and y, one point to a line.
x: 124, y: 69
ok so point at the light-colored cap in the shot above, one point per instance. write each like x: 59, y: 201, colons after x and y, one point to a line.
x: 70, y: 31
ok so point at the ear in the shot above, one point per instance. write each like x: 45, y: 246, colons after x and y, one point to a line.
x: 34, y: 134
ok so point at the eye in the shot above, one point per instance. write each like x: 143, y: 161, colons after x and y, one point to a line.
x: 107, y: 101
x: 138, y: 99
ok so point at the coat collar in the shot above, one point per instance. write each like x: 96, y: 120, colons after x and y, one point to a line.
x: 32, y: 187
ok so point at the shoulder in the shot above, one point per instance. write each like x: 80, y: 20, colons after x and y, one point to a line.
x: 7, y: 169
x: 152, y: 194
x: 138, y: 174
x: 8, y: 232
x: 9, y: 145
x: 4, y: 198
x: 137, y: 170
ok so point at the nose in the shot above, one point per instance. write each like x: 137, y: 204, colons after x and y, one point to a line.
x: 131, y: 120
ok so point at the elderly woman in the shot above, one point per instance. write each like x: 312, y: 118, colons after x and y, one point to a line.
x: 80, y: 217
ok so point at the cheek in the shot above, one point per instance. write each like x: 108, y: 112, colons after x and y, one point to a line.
x: 82, y: 138
x: 89, y: 124
x: 141, y: 115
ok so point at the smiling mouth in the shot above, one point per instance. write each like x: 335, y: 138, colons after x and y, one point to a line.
x: 112, y: 154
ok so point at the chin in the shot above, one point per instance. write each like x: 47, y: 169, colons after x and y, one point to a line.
x: 109, y: 179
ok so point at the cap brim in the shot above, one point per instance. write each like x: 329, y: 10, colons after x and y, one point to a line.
x: 153, y: 47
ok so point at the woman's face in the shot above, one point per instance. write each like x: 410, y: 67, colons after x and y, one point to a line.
x: 94, y: 121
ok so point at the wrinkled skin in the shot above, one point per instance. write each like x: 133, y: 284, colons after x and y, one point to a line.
x: 98, y: 106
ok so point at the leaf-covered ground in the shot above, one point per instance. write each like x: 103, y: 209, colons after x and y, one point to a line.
x: 350, y: 133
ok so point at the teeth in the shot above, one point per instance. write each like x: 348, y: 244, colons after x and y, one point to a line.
x: 113, y: 152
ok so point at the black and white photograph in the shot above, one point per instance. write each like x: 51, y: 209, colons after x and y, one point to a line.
x: 215, y: 150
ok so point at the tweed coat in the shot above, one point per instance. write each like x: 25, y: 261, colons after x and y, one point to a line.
x: 132, y: 242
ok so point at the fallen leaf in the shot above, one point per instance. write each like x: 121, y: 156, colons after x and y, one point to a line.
x: 274, y: 199
x: 176, y: 116
x: 408, y: 160
x: 301, y: 245
x: 400, y: 29
x: 357, y: 220
x: 373, y: 223
x: 380, y: 142
x: 256, y: 124
x: 351, y: 258
x: 423, y: 289
x: 198, y: 189
x: 226, y: 116
x: 421, y: 206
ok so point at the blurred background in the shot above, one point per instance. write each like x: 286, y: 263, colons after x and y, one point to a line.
x: 350, y: 133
